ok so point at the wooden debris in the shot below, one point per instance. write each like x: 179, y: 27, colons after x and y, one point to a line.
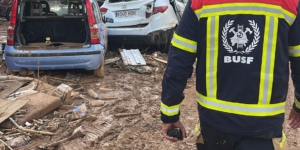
x: 14, y: 122
x: 81, y: 96
x: 96, y: 103
x: 17, y: 130
x: 160, y: 60
x: 14, y: 86
x: 106, y: 89
x: 8, y: 108
x: 90, y: 117
x: 120, y: 115
x: 38, y: 122
x: 37, y: 132
x: 11, y: 77
x: 109, y: 98
x: 6, y: 145
x: 78, y: 132
x: 57, y: 142
x: 66, y: 80
x: 111, y: 60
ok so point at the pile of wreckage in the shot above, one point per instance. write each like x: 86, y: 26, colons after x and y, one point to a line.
x: 25, y: 101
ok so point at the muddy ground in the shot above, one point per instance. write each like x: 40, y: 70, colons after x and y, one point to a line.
x: 136, y: 93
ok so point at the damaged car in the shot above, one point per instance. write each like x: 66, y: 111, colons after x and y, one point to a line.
x: 56, y: 34
x: 5, y: 8
x: 150, y: 22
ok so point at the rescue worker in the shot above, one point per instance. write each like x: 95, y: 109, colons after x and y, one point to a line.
x: 243, y: 49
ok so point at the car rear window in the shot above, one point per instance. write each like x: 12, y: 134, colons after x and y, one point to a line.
x: 116, y: 1
x: 53, y: 7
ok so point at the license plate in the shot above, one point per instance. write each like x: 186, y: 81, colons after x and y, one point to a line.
x: 122, y: 14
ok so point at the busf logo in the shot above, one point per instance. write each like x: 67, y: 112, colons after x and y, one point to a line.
x: 239, y: 42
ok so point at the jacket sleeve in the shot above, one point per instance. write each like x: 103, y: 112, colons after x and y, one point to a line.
x: 294, y: 52
x: 182, y: 55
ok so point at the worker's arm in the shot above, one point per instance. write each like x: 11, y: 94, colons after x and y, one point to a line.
x: 294, y: 52
x: 182, y: 54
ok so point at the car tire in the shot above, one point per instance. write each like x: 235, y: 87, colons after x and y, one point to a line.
x: 9, y: 72
x: 100, y: 72
x: 8, y: 14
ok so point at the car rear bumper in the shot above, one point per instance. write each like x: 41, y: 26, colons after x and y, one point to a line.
x: 154, y: 38
x: 87, y: 58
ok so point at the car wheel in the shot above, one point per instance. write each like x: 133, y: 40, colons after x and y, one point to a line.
x: 167, y: 45
x: 100, y: 72
x: 8, y: 14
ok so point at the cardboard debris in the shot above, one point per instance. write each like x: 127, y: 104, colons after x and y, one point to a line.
x: 8, y: 108
x: 64, y: 92
x: 12, y: 88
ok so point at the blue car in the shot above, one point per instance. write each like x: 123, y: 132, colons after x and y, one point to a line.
x: 56, y: 34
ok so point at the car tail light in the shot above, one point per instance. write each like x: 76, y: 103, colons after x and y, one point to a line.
x: 160, y: 9
x: 92, y: 24
x: 12, y: 24
x: 148, y: 11
x: 103, y: 10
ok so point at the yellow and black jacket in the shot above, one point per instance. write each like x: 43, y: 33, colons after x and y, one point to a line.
x: 243, y: 49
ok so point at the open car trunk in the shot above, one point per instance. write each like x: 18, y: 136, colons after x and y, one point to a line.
x: 43, y: 27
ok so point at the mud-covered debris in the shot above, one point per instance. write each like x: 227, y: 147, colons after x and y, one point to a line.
x: 26, y: 72
x: 111, y: 60
x: 19, y: 141
x: 78, y: 132
x: 8, y: 108
x: 90, y: 117
x: 160, y: 60
x: 141, y: 69
x: 79, y: 112
x: 96, y: 103
x: 64, y: 92
x: 93, y: 94
x: 120, y: 115
x: 73, y: 77
x: 91, y: 139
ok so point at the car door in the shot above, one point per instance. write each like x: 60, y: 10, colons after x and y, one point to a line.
x: 100, y: 24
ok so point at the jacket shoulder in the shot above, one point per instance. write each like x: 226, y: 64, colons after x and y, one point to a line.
x: 196, y: 4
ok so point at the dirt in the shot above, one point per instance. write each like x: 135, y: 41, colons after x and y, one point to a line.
x: 136, y: 93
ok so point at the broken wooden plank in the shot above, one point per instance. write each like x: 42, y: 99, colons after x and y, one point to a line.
x: 120, y: 115
x: 111, y: 60
x: 8, y: 108
x: 160, y: 60
x: 38, y: 105
x: 37, y: 132
x: 6, y: 145
x: 14, y: 86
x: 10, y: 77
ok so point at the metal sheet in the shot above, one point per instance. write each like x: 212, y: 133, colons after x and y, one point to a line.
x: 132, y: 57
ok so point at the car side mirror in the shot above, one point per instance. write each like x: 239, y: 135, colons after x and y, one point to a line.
x: 105, y: 19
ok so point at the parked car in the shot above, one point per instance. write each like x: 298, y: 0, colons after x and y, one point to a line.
x: 142, y: 21
x: 5, y: 8
x: 56, y: 34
